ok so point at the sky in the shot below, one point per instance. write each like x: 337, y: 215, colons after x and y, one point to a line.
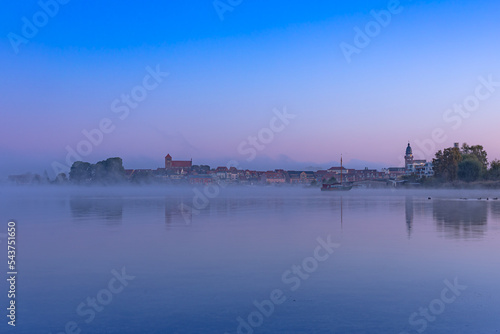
x: 258, y: 84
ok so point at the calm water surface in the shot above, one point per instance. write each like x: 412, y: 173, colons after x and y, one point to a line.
x: 398, y: 262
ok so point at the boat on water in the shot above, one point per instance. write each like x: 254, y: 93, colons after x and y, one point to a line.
x: 336, y: 186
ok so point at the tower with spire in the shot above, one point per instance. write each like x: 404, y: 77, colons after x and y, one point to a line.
x: 408, y: 156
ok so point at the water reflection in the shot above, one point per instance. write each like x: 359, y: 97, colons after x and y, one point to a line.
x: 453, y: 218
x: 235, y: 249
x: 409, y: 211
x: 109, y: 209
x: 495, y: 210
x: 187, y: 210
x: 178, y: 212
x: 461, y: 219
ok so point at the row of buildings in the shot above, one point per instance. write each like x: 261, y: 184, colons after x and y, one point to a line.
x: 185, y: 171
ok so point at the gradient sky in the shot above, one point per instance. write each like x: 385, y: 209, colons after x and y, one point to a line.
x: 227, y: 76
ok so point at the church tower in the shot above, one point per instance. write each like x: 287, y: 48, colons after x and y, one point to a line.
x: 168, y: 162
x: 408, y: 156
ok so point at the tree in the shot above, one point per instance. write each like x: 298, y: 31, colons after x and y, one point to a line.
x: 476, y: 151
x: 200, y: 169
x: 37, y: 179
x: 80, y: 172
x: 45, y: 178
x: 445, y: 164
x: 108, y: 171
x: 61, y: 178
x: 494, y: 171
x: 470, y: 170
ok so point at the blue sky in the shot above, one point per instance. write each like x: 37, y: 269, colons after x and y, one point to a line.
x: 227, y: 76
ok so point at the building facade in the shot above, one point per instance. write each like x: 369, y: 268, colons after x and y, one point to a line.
x: 418, y: 168
x: 177, y: 166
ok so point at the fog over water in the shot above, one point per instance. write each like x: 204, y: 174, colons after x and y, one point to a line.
x: 200, y: 259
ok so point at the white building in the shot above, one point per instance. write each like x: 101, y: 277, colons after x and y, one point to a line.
x: 420, y: 169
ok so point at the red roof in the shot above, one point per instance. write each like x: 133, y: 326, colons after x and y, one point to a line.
x: 181, y: 164
x: 168, y: 156
x: 337, y: 168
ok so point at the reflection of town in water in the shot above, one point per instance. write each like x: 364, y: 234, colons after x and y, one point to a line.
x: 454, y: 218
x: 108, y: 209
x: 461, y: 219
x: 409, y: 210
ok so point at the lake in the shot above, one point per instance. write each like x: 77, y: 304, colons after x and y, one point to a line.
x: 252, y: 260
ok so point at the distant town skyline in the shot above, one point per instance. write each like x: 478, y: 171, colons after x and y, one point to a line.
x: 179, y: 78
